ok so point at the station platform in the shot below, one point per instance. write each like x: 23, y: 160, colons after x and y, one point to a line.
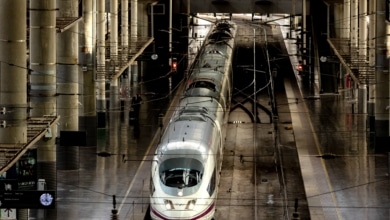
x: 343, y: 177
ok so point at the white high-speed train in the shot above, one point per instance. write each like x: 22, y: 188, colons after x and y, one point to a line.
x: 187, y: 163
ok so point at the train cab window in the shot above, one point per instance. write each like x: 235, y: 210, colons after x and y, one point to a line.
x: 214, y: 52
x: 200, y: 118
x: 220, y: 35
x: 181, y: 172
x: 193, y: 110
x: 192, y: 114
x: 206, y: 65
x: 181, y: 178
x: 203, y: 84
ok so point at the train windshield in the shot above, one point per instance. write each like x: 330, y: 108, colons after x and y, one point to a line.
x: 203, y: 84
x: 181, y: 172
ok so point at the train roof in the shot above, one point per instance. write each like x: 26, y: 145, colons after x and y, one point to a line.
x: 190, y: 129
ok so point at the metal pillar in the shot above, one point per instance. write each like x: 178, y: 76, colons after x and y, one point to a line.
x: 143, y: 18
x: 353, y: 40
x: 134, y: 78
x: 125, y: 94
x: 114, y: 95
x: 362, y: 51
x: 124, y: 28
x: 362, y: 99
x: 13, y: 72
x: 304, y: 29
x: 371, y: 58
x: 354, y: 20
x: 67, y: 69
x: 67, y: 83
x: 125, y: 85
x: 114, y: 89
x: 133, y: 69
x: 382, y: 74
x: 133, y: 25
x: 338, y: 14
x: 170, y: 29
x: 114, y: 30
x: 362, y: 27
x: 101, y: 63
x: 143, y: 33
x: 170, y: 43
x: 87, y: 105
x: 346, y: 32
x: 43, y: 84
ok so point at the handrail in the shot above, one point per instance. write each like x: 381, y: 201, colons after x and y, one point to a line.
x: 140, y: 51
x: 30, y: 143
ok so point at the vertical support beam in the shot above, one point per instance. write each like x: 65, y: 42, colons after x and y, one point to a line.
x: 114, y: 30
x: 382, y: 75
x: 143, y: 33
x: 125, y: 28
x: 170, y: 29
x: 362, y: 28
x: 101, y: 62
x: 362, y: 52
x: 371, y: 58
x: 352, y: 33
x: 13, y: 71
x: 362, y: 99
x: 134, y: 78
x: 327, y: 21
x: 170, y: 41
x: 114, y: 95
x: 292, y: 18
x: 125, y: 85
x: 134, y: 25
x: 304, y: 29
x: 354, y: 19
x: 67, y: 69
x: 67, y: 83
x: 114, y: 89
x: 152, y: 20
x: 133, y: 41
x: 143, y: 18
x: 347, y: 20
x: 189, y: 14
x: 338, y: 13
x: 88, y: 104
x: 43, y: 84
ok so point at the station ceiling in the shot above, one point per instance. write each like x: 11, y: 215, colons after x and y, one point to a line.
x: 244, y: 6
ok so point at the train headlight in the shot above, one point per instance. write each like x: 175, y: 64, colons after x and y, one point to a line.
x: 168, y: 204
x: 180, y: 192
x: 191, y: 204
